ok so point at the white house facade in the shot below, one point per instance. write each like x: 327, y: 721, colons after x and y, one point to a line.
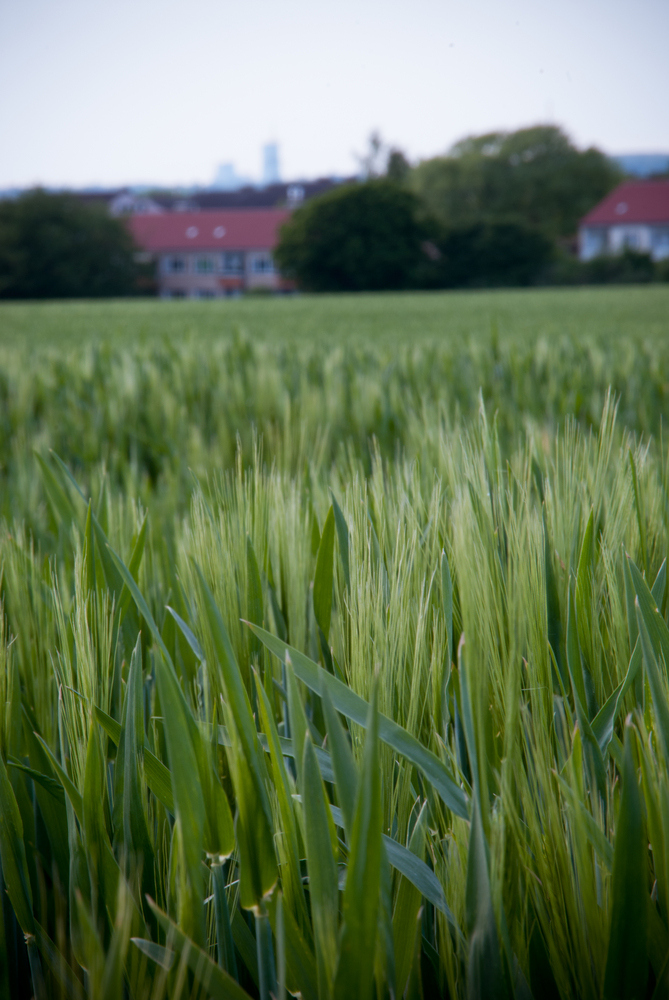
x: 635, y: 216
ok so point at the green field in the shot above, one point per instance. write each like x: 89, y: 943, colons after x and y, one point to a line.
x: 601, y: 313
x: 334, y: 647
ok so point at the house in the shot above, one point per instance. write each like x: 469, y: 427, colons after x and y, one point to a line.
x: 635, y: 216
x: 208, y: 254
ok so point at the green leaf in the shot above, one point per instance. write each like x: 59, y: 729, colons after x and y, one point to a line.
x: 655, y: 623
x: 60, y: 502
x: 573, y: 651
x: 236, y: 694
x: 157, y: 776
x: 641, y: 522
x: 342, y: 537
x: 187, y: 634
x: 291, y: 878
x: 254, y: 601
x: 407, y: 905
x: 135, y: 830
x: 447, y: 604
x: 57, y: 966
x: 214, y: 981
x: 13, y: 855
x: 583, y: 595
x: 323, y: 576
x: 659, y: 588
x: 605, y: 720
x: 343, y: 764
x: 164, y: 957
x: 266, y: 965
x: 355, y: 708
x: 632, y: 626
x: 657, y: 688
x: 90, y: 551
x: 593, y: 755
x: 254, y: 834
x: 360, y: 911
x: 323, y: 889
x: 300, y: 961
x: 553, y: 622
x: 441, y: 707
x: 73, y: 793
x: 104, y: 870
x: 298, y: 720
x: 485, y: 968
x: 188, y: 800
x: 626, y: 961
x: 224, y: 942
x: 126, y: 578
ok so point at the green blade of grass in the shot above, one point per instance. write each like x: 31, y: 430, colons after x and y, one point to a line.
x: 355, y: 708
x: 254, y: 601
x: 157, y: 776
x: 485, y: 967
x: 342, y: 537
x: 214, y: 980
x: 626, y: 961
x: 343, y: 764
x: 323, y: 575
x: 657, y: 688
x: 135, y: 829
x: 188, y: 801
x: 360, y: 910
x: 13, y: 855
x: 323, y: 892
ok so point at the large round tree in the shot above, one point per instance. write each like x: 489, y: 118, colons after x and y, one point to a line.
x: 359, y: 237
x: 52, y: 246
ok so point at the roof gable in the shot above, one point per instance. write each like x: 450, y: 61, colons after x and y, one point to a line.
x: 632, y: 202
x: 233, y: 229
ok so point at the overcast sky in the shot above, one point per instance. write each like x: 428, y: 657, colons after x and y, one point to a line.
x: 148, y: 91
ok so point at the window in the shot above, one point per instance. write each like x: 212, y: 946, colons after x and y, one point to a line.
x: 263, y: 263
x: 631, y: 240
x: 233, y: 263
x: 206, y: 293
x: 661, y: 244
x: 175, y: 265
x: 205, y: 265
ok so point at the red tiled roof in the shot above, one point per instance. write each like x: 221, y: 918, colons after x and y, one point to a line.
x: 233, y: 229
x: 632, y: 201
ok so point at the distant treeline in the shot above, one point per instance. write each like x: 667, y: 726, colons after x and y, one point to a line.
x: 499, y: 210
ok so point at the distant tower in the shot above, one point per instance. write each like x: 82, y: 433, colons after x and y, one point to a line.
x: 270, y: 163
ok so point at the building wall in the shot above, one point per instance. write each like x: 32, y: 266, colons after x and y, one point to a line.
x: 596, y: 240
x: 216, y: 274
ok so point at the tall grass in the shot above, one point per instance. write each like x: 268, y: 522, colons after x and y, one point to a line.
x: 355, y: 721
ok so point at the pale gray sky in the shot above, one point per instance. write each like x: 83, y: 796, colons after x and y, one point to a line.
x: 141, y: 90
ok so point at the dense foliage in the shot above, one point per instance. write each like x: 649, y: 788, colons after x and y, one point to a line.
x: 342, y: 717
x: 492, y: 254
x: 52, y: 247
x: 535, y: 176
x: 359, y: 237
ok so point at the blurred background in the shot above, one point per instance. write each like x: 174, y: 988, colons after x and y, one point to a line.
x: 151, y: 108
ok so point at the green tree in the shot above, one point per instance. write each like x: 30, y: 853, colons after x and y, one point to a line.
x: 359, y: 237
x: 53, y: 246
x: 488, y: 254
x: 535, y: 175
